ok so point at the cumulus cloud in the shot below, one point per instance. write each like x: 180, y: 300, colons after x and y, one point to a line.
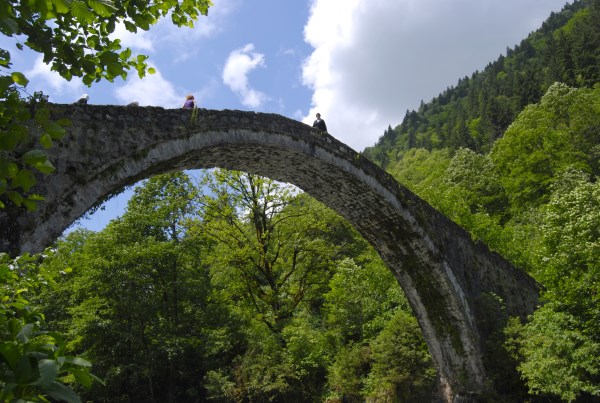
x: 140, y: 40
x: 214, y: 21
x: 375, y: 59
x: 235, y: 75
x: 184, y: 41
x: 152, y: 90
x: 59, y: 89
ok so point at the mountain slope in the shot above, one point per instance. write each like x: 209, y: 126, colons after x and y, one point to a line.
x: 477, y: 111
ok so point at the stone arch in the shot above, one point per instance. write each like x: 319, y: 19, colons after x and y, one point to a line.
x: 441, y: 270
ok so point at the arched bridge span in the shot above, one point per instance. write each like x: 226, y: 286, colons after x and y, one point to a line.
x: 444, y: 274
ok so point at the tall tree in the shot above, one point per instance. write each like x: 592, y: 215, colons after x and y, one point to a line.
x: 278, y: 246
x: 141, y: 301
x: 74, y: 37
x: 566, y: 48
x: 546, y: 139
x: 379, y: 352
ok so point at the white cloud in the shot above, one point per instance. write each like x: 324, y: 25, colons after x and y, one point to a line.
x: 140, y: 40
x: 374, y: 59
x: 184, y: 40
x: 214, y: 21
x: 152, y: 90
x: 51, y: 83
x: 235, y: 75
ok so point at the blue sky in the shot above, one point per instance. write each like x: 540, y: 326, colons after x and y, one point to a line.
x: 360, y: 63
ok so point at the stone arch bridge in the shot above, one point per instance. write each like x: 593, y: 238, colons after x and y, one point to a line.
x: 446, y: 276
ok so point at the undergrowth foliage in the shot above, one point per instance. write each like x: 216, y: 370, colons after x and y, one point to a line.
x: 34, y: 364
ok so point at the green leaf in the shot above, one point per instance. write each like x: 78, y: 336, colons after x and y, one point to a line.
x: 48, y: 371
x: 10, y: 352
x: 8, y: 26
x: 25, y: 333
x: 81, y: 12
x: 41, y: 7
x: 110, y: 26
x: 151, y: 70
x: 130, y: 26
x: 29, y: 205
x: 115, y: 69
x: 83, y: 377
x: 46, y: 140
x: 24, y: 180
x: 19, y: 78
x: 45, y: 167
x: 23, y: 115
x: 125, y: 55
x: 33, y: 157
x: 109, y: 57
x: 102, y: 8
x: 64, y: 122
x: 89, y: 66
x: 143, y: 21
x: 12, y: 170
x: 5, y: 83
x: 62, y: 392
x: 62, y: 6
x: 92, y: 41
x: 88, y: 79
x: 78, y: 361
x: 14, y: 326
x: 42, y: 115
x: 23, y: 370
x: 55, y: 130
x: 12, y: 136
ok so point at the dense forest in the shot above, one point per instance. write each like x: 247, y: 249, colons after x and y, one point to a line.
x: 512, y: 154
x: 476, y: 112
x: 228, y: 287
x: 231, y: 288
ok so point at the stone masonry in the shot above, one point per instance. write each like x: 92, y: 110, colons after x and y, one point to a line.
x: 444, y: 274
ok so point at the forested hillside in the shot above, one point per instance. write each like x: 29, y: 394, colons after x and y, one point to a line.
x: 512, y: 155
x: 535, y: 198
x: 477, y: 111
x: 237, y: 288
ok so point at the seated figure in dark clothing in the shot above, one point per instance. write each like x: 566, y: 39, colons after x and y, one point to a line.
x: 320, y: 123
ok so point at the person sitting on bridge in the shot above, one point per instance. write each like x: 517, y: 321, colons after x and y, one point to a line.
x: 189, y: 102
x: 320, y: 123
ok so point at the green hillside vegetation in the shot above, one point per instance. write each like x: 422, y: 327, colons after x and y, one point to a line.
x: 476, y: 112
x: 535, y: 198
x: 237, y: 288
x: 512, y: 154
